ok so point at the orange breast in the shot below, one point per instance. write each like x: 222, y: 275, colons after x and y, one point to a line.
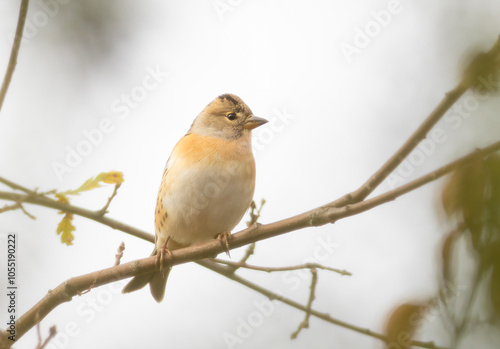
x: 194, y: 161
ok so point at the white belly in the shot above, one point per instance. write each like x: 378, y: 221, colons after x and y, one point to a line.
x: 204, y: 203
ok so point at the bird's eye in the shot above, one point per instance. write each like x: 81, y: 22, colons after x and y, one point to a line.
x: 231, y: 116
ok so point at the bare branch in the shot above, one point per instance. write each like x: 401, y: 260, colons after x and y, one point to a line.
x: 395, y: 193
x: 18, y: 205
x: 323, y: 215
x: 15, y: 186
x: 103, y: 210
x: 227, y: 272
x: 42, y: 200
x: 346, y: 206
x: 278, y: 269
x: 15, y: 51
x: 450, y: 98
x: 12, y: 207
x: 26, y: 212
x: 305, y: 323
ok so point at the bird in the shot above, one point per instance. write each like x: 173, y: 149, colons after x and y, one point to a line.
x: 207, y: 185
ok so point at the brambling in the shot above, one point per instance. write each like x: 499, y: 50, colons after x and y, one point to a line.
x: 207, y: 185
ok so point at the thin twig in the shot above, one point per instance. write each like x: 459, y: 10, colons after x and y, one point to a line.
x: 103, y: 210
x: 15, y: 51
x: 227, y: 272
x: 26, y: 212
x: 38, y: 335
x: 248, y: 252
x: 12, y: 207
x: 305, y: 322
x: 279, y: 269
x: 42, y: 200
x: 119, y: 253
x: 255, y: 213
x: 52, y: 333
x: 18, y: 205
x: 16, y: 186
x: 253, y: 206
x: 323, y: 215
x: 254, y: 217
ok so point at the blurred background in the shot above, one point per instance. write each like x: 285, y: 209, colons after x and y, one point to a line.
x: 344, y: 84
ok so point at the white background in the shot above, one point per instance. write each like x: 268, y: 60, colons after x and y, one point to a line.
x: 344, y: 116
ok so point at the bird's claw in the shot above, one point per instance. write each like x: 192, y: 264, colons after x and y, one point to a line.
x: 160, y: 257
x: 224, y: 239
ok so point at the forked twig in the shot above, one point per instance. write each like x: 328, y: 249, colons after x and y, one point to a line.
x: 16, y: 206
x: 305, y: 322
x: 52, y: 333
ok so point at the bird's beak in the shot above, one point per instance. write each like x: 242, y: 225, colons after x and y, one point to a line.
x: 254, y: 122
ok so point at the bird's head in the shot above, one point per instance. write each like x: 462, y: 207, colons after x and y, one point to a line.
x: 227, y: 116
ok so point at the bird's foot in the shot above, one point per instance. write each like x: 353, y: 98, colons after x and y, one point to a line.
x: 160, y: 257
x: 224, y: 239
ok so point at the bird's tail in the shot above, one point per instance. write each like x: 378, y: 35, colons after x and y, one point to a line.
x: 157, y: 282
